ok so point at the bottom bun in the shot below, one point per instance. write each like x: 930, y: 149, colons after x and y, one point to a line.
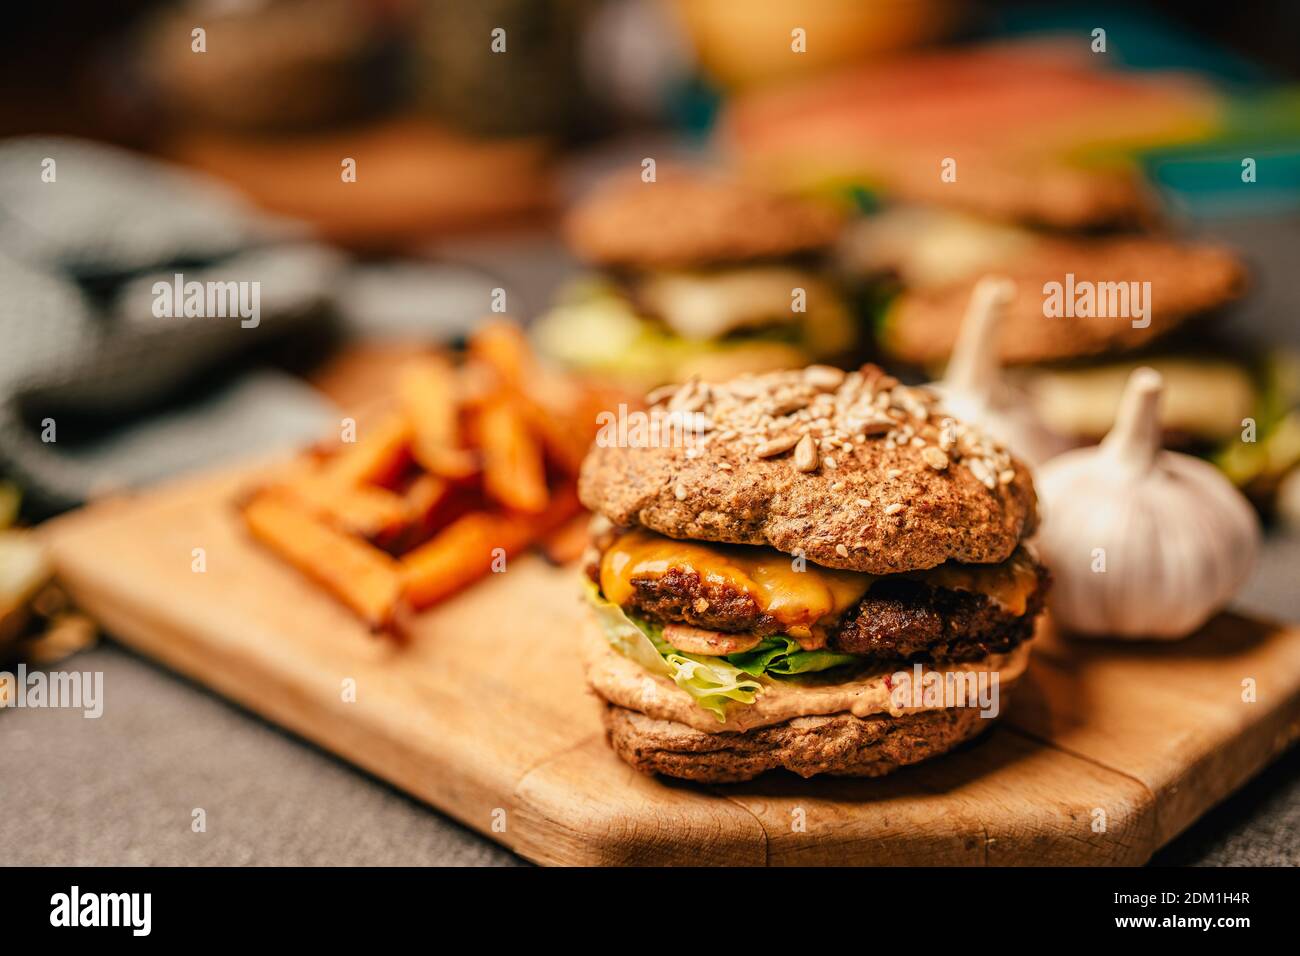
x: 838, y: 744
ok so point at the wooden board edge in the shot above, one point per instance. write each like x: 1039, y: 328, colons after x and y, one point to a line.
x: 1145, y: 825
x: 564, y: 821
x: 567, y: 822
x: 1218, y: 773
x: 136, y: 628
x: 1224, y: 764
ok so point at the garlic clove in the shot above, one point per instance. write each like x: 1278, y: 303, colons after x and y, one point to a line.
x: 1142, y: 542
x: 1134, y: 440
x: 974, y: 368
x: 973, y: 388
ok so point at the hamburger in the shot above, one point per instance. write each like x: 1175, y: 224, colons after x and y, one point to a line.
x: 696, y: 274
x: 772, y: 589
x: 921, y: 264
x: 935, y: 257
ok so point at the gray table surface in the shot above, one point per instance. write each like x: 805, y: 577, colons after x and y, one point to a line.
x: 122, y: 789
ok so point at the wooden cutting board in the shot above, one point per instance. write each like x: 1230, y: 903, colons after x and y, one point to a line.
x: 1106, y: 754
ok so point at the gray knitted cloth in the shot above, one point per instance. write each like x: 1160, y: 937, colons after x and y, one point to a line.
x: 89, y: 237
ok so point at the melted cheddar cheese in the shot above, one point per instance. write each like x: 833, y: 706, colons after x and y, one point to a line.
x: 1009, y: 584
x: 804, y: 601
x: 800, y: 600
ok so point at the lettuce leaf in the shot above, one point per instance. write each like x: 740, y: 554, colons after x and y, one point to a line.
x: 781, y: 655
x: 625, y: 636
x: 712, y: 681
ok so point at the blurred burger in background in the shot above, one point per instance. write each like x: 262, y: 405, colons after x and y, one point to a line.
x: 918, y: 265
x: 697, y: 275
x: 1024, y: 159
x: 1151, y: 297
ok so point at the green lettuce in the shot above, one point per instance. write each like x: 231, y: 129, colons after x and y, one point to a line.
x: 712, y: 681
x: 595, y: 326
x: 781, y: 655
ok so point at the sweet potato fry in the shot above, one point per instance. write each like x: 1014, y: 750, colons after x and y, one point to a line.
x: 459, y: 554
x: 502, y: 347
x: 361, y: 576
x: 463, y: 551
x: 560, y: 411
x: 429, y: 503
x: 566, y: 430
x: 567, y: 542
x: 369, y: 511
x: 426, y: 388
x: 476, y: 462
x: 514, y: 471
x: 424, y: 496
x: 379, y: 454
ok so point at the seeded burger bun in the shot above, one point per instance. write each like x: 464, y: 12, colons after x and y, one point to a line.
x: 937, y: 256
x: 756, y: 583
x: 686, y: 220
x: 1186, y: 281
x: 695, y: 274
x: 876, y: 506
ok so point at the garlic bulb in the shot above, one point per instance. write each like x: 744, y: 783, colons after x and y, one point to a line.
x: 973, y: 389
x: 1141, y: 542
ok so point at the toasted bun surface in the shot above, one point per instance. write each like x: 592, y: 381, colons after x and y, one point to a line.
x: 892, y: 485
x: 685, y: 220
x: 840, y: 744
x: 1185, y: 280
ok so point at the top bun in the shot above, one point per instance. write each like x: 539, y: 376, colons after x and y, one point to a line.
x: 685, y: 220
x: 1187, y: 280
x: 885, y: 482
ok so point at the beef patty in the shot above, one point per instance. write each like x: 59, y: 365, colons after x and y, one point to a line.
x: 898, y: 617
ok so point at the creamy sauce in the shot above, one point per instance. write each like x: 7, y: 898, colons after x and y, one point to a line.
x: 625, y: 683
x: 804, y: 602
